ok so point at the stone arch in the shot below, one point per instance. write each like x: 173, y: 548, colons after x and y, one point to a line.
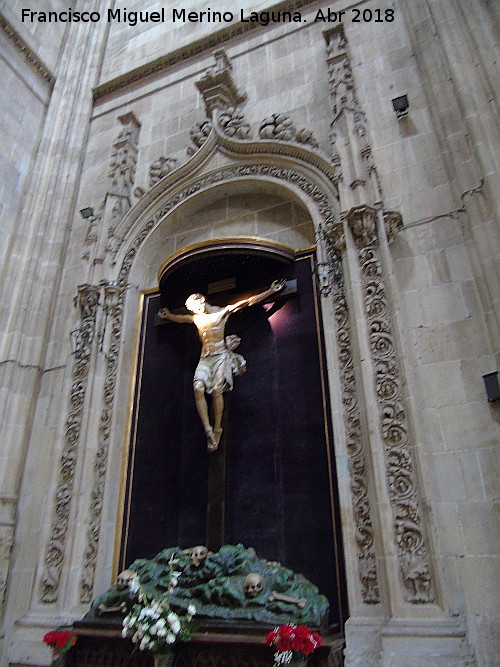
x: 222, y: 164
x: 299, y: 176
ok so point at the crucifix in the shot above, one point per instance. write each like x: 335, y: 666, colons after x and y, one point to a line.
x: 214, y: 374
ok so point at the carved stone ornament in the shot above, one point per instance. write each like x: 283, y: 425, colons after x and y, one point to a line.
x: 319, y: 198
x: 393, y: 223
x: 29, y: 56
x: 367, y: 563
x: 217, y: 86
x: 124, y: 157
x: 411, y: 541
x: 280, y: 127
x: 118, y: 199
x: 336, y: 233
x: 160, y: 168
x: 199, y: 134
x: 232, y: 122
x: 114, y: 298
x: 348, y: 133
x: 86, y: 300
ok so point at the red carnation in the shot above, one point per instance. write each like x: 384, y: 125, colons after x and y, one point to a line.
x: 302, y: 631
x: 61, y: 639
x: 285, y: 631
x: 317, y: 638
x: 284, y: 644
x: 293, y: 638
x: 298, y: 643
x: 308, y: 646
x: 271, y: 638
x: 50, y: 638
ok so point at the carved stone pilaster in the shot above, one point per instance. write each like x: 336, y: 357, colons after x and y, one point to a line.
x: 114, y: 297
x: 367, y: 564
x: 124, y: 157
x: 118, y: 199
x: 356, y: 167
x: 409, y: 532
x: 86, y: 301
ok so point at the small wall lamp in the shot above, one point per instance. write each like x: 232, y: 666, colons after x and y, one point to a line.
x: 87, y: 213
x: 401, y: 106
x: 492, y: 387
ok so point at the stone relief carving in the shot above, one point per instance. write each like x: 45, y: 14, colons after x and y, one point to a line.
x: 157, y: 170
x: 413, y: 551
x: 232, y: 122
x: 244, y: 170
x: 123, y: 162
x: 118, y: 199
x: 367, y: 564
x: 217, y: 86
x: 31, y: 58
x: 223, y: 107
x: 199, y: 134
x: 114, y: 298
x: 349, y: 122
x: 86, y: 301
x: 349, y: 125
x: 160, y: 168
x: 222, y: 103
x: 280, y: 127
x: 343, y: 98
x: 92, y: 235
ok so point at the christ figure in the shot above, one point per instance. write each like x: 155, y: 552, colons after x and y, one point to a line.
x: 218, y: 362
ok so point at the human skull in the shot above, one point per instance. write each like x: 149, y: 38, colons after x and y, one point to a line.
x: 198, y: 555
x: 124, y: 579
x: 253, y: 584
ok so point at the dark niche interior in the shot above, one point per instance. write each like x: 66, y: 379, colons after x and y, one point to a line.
x: 279, y: 491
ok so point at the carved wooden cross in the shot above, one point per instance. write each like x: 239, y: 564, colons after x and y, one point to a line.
x: 217, y: 460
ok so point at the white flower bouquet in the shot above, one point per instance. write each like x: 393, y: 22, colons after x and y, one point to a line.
x: 152, y: 624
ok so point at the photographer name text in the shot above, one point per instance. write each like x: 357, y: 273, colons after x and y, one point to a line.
x: 181, y: 15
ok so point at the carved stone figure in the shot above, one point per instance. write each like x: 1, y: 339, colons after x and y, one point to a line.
x: 218, y: 362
